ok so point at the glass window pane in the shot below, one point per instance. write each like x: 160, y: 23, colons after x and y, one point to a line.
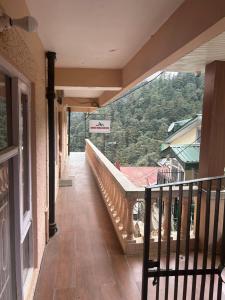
x: 5, y: 114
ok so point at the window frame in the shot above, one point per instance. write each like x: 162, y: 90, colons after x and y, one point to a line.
x: 26, y: 220
x: 18, y: 82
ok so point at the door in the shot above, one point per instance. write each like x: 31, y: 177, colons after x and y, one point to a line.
x: 184, y: 253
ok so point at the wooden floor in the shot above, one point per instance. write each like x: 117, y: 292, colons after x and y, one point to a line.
x: 84, y: 259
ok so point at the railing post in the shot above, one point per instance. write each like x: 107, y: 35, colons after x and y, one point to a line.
x: 184, y: 219
x: 131, y: 200
x: 166, y: 218
x: 154, y: 218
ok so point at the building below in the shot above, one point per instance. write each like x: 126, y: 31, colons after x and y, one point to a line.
x: 142, y: 176
x: 181, y: 150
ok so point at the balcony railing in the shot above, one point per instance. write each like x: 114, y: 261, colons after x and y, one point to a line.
x: 120, y: 196
x: 195, y: 246
x: 125, y: 205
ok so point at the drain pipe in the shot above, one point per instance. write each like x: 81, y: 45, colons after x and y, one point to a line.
x: 51, y: 56
x: 69, y: 128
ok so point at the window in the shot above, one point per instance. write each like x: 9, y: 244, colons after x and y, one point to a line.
x: 5, y: 111
x: 25, y: 179
x: 7, y: 157
x: 16, y: 224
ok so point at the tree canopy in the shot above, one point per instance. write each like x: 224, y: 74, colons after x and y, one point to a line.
x: 139, y: 121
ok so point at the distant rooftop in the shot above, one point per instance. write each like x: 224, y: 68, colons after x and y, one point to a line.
x: 141, y: 176
x: 179, y: 126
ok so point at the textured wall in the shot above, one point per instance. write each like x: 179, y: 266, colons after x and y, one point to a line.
x: 25, y: 52
x: 187, y: 138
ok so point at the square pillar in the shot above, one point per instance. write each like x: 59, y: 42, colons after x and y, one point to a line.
x: 212, y: 151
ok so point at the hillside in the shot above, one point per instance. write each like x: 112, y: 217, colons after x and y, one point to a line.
x: 139, y: 121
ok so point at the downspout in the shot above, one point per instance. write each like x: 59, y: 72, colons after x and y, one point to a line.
x: 69, y: 127
x: 51, y: 56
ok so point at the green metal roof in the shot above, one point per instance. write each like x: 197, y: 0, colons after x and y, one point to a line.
x: 188, y: 155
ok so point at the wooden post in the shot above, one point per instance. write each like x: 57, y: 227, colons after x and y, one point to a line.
x: 183, y: 228
x: 212, y: 150
x: 166, y: 218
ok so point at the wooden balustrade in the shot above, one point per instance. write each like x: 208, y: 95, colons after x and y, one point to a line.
x: 120, y: 196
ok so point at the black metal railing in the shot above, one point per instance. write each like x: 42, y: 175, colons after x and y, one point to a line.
x: 191, y: 260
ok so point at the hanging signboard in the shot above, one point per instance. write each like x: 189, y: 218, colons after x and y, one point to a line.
x: 99, y: 126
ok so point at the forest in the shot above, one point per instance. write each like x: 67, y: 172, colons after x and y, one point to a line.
x: 140, y: 119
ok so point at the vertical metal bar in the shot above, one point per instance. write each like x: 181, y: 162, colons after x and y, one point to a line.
x: 197, y: 228
x: 51, y: 56
x: 69, y: 127
x: 187, y: 240
x: 168, y: 242
x: 159, y: 240
x: 215, y: 229
x: 144, y: 292
x: 178, y: 240
x: 206, y: 239
x: 222, y: 257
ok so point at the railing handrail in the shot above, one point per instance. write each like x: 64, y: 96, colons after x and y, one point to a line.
x: 186, y: 182
x: 127, y: 186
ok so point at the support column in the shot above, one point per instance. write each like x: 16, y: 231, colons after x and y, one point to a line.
x: 51, y: 56
x: 212, y: 151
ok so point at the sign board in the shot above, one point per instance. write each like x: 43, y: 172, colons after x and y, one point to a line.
x: 99, y: 126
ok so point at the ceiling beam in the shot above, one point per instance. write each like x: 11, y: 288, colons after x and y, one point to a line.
x: 85, y: 110
x: 191, y: 25
x: 105, y: 96
x: 81, y: 102
x: 98, y: 78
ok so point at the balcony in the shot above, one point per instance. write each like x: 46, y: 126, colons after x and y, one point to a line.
x: 84, y: 260
x: 125, y: 204
x: 95, y: 216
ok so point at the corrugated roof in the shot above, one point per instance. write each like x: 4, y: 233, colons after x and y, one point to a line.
x: 187, y: 153
x: 141, y: 176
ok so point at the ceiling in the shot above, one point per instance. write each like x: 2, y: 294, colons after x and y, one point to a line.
x: 197, y: 60
x: 106, y: 34
x: 98, y: 33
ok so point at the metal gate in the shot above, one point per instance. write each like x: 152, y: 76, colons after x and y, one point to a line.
x: 184, y: 241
